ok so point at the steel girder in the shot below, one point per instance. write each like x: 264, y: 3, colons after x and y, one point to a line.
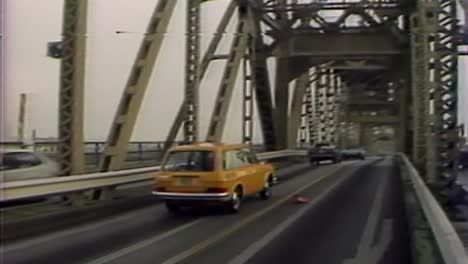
x: 321, y: 87
x: 314, y: 115
x: 445, y: 90
x: 223, y: 99
x: 435, y: 67
x: 261, y: 82
x: 71, y: 93
x: 247, y: 103
x: 263, y: 96
x: 421, y: 28
x: 192, y: 74
x: 133, y: 94
x: 295, y: 120
x: 306, y: 115
x: 207, y: 58
x: 21, y: 117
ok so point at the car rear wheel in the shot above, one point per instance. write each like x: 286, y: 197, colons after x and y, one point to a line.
x: 233, y: 205
x: 173, y: 208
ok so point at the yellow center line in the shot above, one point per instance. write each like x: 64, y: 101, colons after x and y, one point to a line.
x: 201, y: 246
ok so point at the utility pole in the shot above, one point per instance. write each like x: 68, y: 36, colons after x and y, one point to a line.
x: 21, y: 117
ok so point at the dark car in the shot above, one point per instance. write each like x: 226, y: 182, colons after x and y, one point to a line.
x: 324, y: 152
x: 356, y: 153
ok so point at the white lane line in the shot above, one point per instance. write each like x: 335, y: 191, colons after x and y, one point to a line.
x: 380, y: 248
x: 60, y: 234
x: 252, y: 250
x: 143, y: 244
x: 365, y: 249
x: 373, y: 219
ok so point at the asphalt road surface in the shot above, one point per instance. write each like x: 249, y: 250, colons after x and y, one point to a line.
x: 353, y: 214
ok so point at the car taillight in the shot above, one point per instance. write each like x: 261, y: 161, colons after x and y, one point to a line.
x: 216, y: 190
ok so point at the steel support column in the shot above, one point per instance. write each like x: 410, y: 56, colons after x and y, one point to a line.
x: 71, y: 93
x: 22, y: 117
x: 314, y: 115
x: 263, y: 96
x: 192, y: 74
x: 420, y: 53
x: 306, y: 114
x: 321, y: 91
x: 132, y: 98
x: 247, y: 103
x: 297, y: 105
x: 403, y: 112
x: 445, y: 93
x: 223, y: 99
x: 207, y: 58
x: 282, y: 103
x: 330, y: 106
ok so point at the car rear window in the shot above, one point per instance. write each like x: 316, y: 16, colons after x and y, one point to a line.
x: 193, y: 160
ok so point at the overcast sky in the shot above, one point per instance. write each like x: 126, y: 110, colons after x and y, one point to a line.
x: 30, y: 24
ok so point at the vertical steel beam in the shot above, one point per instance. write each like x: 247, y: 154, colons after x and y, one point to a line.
x: 445, y: 92
x: 132, y: 98
x: 321, y: 113
x: 71, y: 93
x: 329, y: 105
x: 420, y: 79
x: 247, y: 104
x: 282, y: 103
x: 335, y: 107
x: 207, y: 58
x: 223, y: 99
x: 306, y: 114
x: 192, y: 75
x: 21, y: 117
x: 220, y: 32
x: 314, y: 115
x: 294, y: 120
x: 263, y: 96
x: 402, y: 130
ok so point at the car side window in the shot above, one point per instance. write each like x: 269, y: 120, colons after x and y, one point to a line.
x: 234, y: 159
x: 19, y: 160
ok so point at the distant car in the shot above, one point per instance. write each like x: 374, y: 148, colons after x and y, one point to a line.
x: 212, y: 174
x: 462, y: 159
x: 356, y: 153
x: 18, y: 165
x: 324, y: 152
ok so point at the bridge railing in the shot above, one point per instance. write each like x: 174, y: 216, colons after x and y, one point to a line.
x: 18, y: 190
x: 146, y: 152
x: 448, y: 242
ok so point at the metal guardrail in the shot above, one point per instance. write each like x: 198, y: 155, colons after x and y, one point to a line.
x: 137, y: 151
x: 18, y: 190
x: 447, y: 239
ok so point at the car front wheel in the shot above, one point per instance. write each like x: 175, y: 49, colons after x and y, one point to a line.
x: 265, y: 193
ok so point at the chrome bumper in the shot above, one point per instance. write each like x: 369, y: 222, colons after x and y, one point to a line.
x: 193, y: 196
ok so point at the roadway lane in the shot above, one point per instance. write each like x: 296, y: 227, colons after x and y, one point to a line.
x: 355, y: 215
x: 90, y: 241
x: 363, y: 221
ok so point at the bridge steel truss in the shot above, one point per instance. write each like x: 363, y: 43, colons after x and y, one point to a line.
x: 347, y: 69
x: 435, y: 39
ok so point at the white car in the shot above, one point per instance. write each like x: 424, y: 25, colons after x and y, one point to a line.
x: 18, y: 165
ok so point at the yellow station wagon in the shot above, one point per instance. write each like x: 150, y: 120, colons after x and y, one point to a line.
x: 212, y: 173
